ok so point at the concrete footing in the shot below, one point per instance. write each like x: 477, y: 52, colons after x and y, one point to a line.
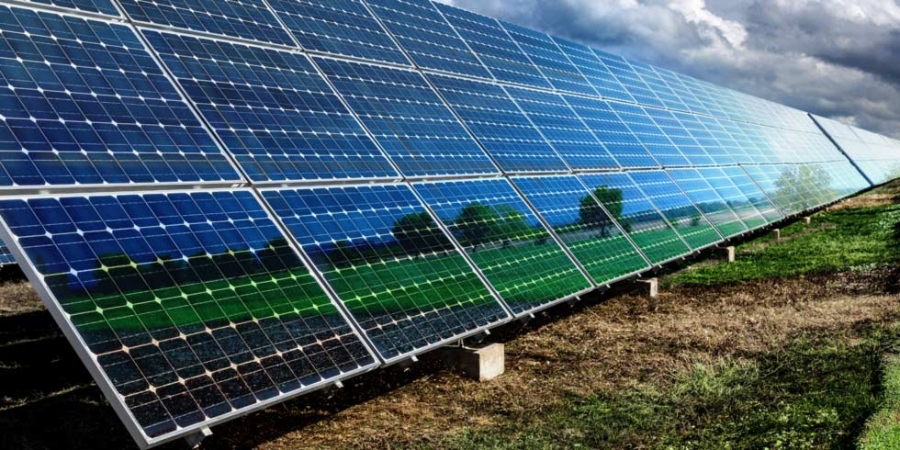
x: 194, y: 440
x: 650, y: 288
x: 777, y: 233
x: 729, y: 254
x: 480, y: 364
x: 807, y: 221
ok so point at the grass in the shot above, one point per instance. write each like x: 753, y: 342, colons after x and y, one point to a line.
x: 882, y: 431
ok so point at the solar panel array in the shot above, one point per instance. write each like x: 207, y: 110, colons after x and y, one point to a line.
x: 226, y: 203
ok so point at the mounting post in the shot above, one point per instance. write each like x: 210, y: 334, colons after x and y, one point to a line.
x: 194, y: 440
x: 777, y: 233
x: 729, y: 254
x: 651, y: 291
x: 807, y: 220
x: 478, y: 363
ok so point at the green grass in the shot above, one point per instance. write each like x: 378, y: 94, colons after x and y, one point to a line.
x: 848, y: 239
x: 815, y: 392
x: 882, y: 431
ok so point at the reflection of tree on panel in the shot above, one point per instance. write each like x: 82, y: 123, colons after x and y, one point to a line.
x: 803, y: 187
x: 593, y: 216
x: 478, y: 224
x: 418, y: 234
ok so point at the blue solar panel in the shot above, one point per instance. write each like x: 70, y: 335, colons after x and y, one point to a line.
x: 650, y: 135
x: 594, y: 71
x: 612, y: 132
x: 740, y: 202
x: 408, y: 119
x: 659, y: 87
x: 191, y: 306
x: 589, y: 231
x: 83, y: 102
x: 708, y: 200
x: 340, y: 27
x: 684, y: 94
x: 427, y: 38
x: 494, y: 47
x: 390, y: 264
x: 500, y: 126
x: 273, y: 111
x: 877, y: 156
x: 562, y: 128
x: 91, y: 6
x: 752, y: 191
x: 625, y: 74
x: 676, y: 131
x: 646, y: 226
x: 245, y: 19
x: 550, y: 60
x: 506, y: 241
x: 681, y: 212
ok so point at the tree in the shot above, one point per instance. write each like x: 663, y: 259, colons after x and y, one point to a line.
x: 803, y: 187
x: 594, y: 217
x: 417, y: 234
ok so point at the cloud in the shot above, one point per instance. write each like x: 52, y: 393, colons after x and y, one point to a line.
x: 837, y: 58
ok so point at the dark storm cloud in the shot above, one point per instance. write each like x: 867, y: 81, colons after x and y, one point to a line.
x: 838, y: 58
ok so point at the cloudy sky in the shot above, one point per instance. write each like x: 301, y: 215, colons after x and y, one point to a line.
x: 837, y: 58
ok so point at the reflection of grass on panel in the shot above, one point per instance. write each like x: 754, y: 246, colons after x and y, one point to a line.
x: 731, y: 229
x: 699, y: 236
x: 660, y: 245
x: 512, y: 272
x: 605, y: 258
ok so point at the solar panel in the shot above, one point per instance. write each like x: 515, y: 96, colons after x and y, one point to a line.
x: 87, y: 6
x: 680, y: 136
x: 792, y: 188
x: 715, y: 140
x: 752, y: 191
x: 506, y: 241
x: 339, y: 27
x: 589, y: 231
x: 390, y: 264
x: 612, y: 132
x: 273, y: 111
x: 499, y: 125
x: 658, y: 86
x: 550, y: 60
x: 494, y: 47
x: 707, y: 199
x: 690, y: 222
x: 625, y: 74
x: 649, y: 134
x: 243, y: 19
x: 596, y: 74
x: 82, y: 102
x: 675, y: 82
x: 188, y: 307
x: 427, y: 38
x: 648, y: 229
x: 877, y: 156
x: 563, y: 129
x: 412, y: 124
x: 739, y: 202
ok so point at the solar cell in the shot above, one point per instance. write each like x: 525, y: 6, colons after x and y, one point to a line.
x: 589, y: 231
x: 550, y: 60
x: 427, y: 38
x: 499, y: 125
x: 494, y: 47
x: 691, y: 223
x: 410, y: 121
x: 612, y: 132
x: 272, y: 110
x: 707, y: 199
x: 649, y: 134
x: 680, y: 136
x: 596, y: 74
x: 646, y: 226
x: 734, y: 196
x: 89, y: 6
x: 506, y: 241
x: 658, y: 86
x: 563, y: 129
x: 186, y: 306
x: 243, y: 19
x: 794, y: 188
x: 678, y: 87
x: 340, y: 27
x: 82, y: 102
x: 390, y: 264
